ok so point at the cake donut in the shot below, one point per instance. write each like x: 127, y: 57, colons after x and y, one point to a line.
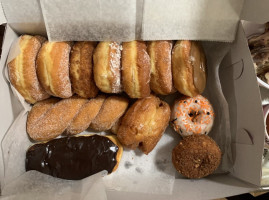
x: 189, y: 67
x: 75, y: 158
x: 53, y: 68
x: 22, y: 69
x: 107, y: 67
x: 135, y: 69
x: 81, y: 69
x: 161, y: 72
x: 144, y: 124
x: 192, y: 116
x: 196, y: 156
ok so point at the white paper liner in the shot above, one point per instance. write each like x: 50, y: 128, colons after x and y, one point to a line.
x: 121, y: 20
x: 24, y: 16
x: 34, y: 185
x: 203, y: 20
x: 137, y: 172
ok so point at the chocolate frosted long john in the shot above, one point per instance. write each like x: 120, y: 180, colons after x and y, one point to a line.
x: 74, y: 158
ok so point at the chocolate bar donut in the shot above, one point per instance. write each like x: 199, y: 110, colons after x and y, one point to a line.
x: 75, y: 158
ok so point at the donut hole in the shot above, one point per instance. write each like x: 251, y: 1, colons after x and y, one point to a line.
x: 194, y: 115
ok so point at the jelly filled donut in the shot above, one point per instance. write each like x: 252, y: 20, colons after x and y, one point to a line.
x: 192, y: 116
x: 189, y: 67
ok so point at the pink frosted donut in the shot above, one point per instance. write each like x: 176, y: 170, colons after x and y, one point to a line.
x: 192, y: 116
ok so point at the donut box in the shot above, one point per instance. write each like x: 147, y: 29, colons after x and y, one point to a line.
x: 232, y: 89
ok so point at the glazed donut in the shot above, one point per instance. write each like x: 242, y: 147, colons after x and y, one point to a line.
x: 161, y: 72
x: 51, y: 117
x: 22, y: 69
x: 107, y: 68
x: 189, y: 68
x: 53, y: 68
x: 81, y: 69
x: 135, y: 69
x: 75, y: 158
x: 196, y: 156
x: 112, y: 109
x: 144, y: 123
x: 192, y: 116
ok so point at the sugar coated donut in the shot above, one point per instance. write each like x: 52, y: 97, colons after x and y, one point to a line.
x: 196, y: 156
x: 192, y: 116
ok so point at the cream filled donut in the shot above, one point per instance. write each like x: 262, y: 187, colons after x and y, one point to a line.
x: 192, y: 116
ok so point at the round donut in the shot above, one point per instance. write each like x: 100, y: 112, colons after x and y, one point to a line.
x: 135, y: 69
x: 189, y: 68
x: 81, y: 69
x: 192, y: 116
x: 53, y: 68
x: 107, y: 67
x: 22, y: 69
x: 196, y: 156
x: 161, y: 72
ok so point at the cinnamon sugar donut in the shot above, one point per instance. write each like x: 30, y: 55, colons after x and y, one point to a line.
x: 135, y: 69
x: 161, y: 72
x: 107, y: 68
x: 81, y: 69
x: 50, y: 118
x: 189, y: 67
x: 112, y: 109
x: 86, y: 115
x: 192, y: 116
x: 196, y: 156
x: 22, y: 69
x: 53, y: 68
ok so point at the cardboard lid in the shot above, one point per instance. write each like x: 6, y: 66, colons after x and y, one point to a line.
x: 256, y: 11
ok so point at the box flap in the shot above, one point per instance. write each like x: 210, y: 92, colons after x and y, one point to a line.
x: 240, y: 87
x: 24, y: 16
x: 256, y: 11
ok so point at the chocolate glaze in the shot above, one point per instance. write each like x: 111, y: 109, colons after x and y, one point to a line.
x: 73, y: 158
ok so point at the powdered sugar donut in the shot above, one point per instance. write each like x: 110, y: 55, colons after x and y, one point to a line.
x: 107, y: 68
x: 192, y: 116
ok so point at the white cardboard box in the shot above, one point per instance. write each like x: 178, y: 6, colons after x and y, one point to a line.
x: 240, y: 88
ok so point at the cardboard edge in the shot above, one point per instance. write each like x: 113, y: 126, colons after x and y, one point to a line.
x: 3, y: 18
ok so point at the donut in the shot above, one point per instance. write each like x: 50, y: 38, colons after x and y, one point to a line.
x: 144, y: 124
x: 196, y: 156
x: 192, y: 116
x: 81, y: 69
x: 189, y: 67
x: 107, y: 68
x: 161, y: 71
x: 112, y: 109
x: 86, y: 115
x: 53, y: 68
x: 75, y: 158
x: 135, y: 69
x: 50, y: 118
x: 22, y: 69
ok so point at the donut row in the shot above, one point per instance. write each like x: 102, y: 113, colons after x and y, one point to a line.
x: 52, y: 117
x: 43, y: 69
